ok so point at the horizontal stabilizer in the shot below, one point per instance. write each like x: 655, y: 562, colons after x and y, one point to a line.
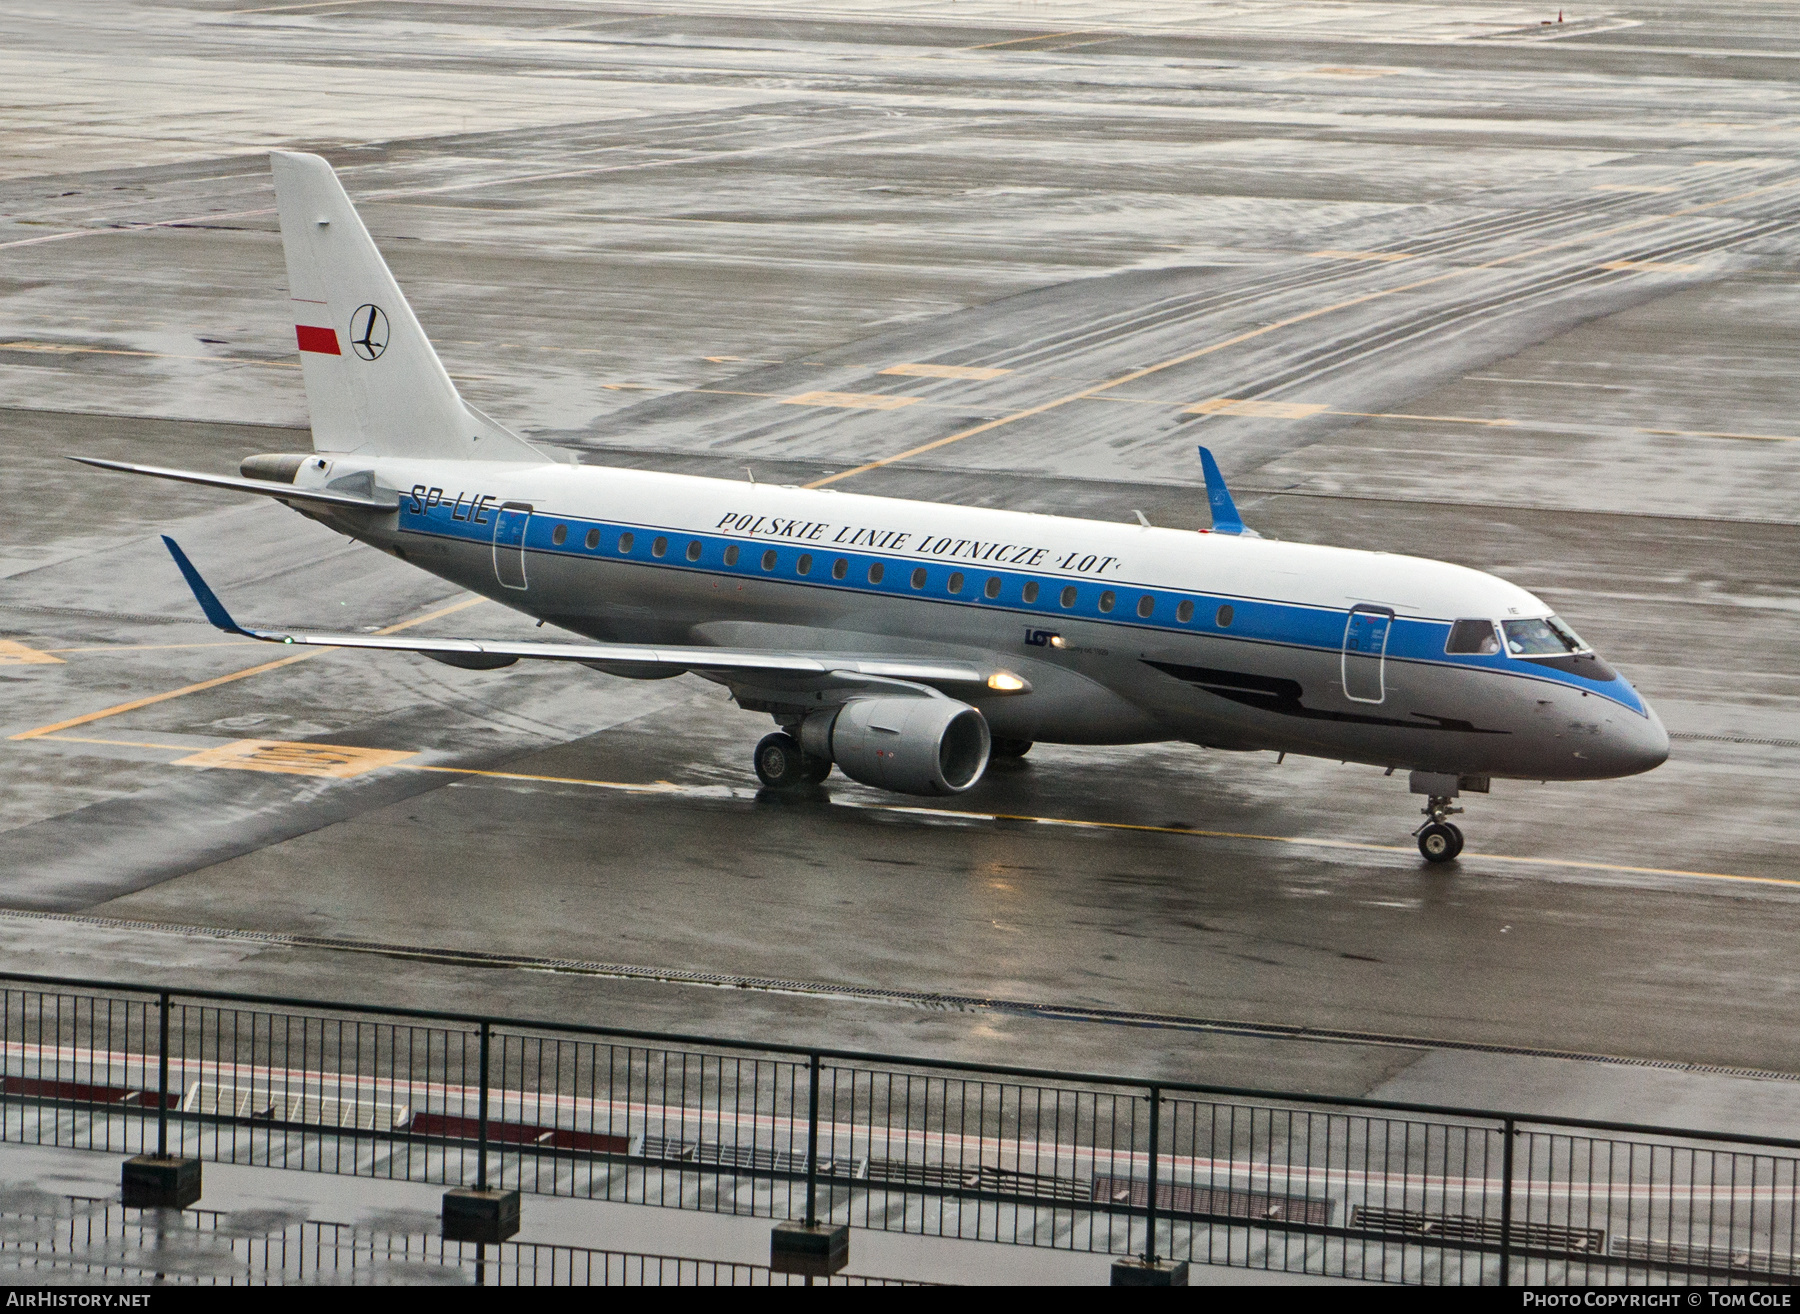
x: 266, y: 487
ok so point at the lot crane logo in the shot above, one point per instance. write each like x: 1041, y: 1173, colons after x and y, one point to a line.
x: 368, y: 331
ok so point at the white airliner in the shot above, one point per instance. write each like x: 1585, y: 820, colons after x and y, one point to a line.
x: 907, y: 641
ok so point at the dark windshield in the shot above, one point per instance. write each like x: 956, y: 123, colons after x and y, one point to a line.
x: 1541, y: 638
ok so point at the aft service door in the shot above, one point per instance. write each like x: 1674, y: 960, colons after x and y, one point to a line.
x: 1365, y: 653
x: 509, y: 543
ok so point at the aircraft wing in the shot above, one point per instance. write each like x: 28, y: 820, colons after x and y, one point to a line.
x: 490, y: 654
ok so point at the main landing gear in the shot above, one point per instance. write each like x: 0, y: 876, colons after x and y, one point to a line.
x: 1440, y: 840
x: 782, y: 764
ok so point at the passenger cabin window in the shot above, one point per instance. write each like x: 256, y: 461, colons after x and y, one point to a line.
x: 918, y: 578
x: 731, y: 555
x: 693, y: 552
x: 1185, y: 612
x: 956, y: 582
x: 659, y: 547
x: 875, y: 573
x: 1541, y: 638
x: 1472, y: 638
x: 592, y: 540
x: 625, y: 542
x: 804, y: 565
x: 992, y: 587
x: 1031, y: 591
x: 559, y: 534
x: 1068, y: 596
x: 840, y: 568
x: 1224, y: 616
x: 768, y: 562
x: 1106, y: 600
x: 1146, y: 605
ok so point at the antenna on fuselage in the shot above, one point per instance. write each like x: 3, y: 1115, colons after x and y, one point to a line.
x: 1225, y: 517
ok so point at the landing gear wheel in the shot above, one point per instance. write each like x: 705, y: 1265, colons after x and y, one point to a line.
x: 782, y: 764
x: 1440, y: 841
x: 779, y: 762
x: 1009, y: 748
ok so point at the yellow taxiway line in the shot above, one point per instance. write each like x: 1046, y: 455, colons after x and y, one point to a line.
x: 1288, y: 322
x: 117, y: 743
x: 70, y: 349
x: 1491, y: 422
x: 314, y: 4
x: 88, y: 718
x: 1706, y: 433
x: 1303, y: 841
x: 903, y: 809
x: 656, y: 787
x: 1131, y: 377
x: 1359, y: 846
x: 1042, y: 36
x: 157, y: 647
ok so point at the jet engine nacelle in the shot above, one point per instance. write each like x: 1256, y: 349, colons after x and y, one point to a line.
x: 909, y: 745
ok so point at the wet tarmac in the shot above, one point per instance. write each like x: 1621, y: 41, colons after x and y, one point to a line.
x: 1429, y: 278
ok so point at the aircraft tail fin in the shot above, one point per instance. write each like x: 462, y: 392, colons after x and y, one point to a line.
x: 373, y: 383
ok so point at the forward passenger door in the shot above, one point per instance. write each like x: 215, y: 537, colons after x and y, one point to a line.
x: 1365, y: 652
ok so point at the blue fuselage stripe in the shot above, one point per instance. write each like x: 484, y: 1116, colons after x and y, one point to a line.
x: 1259, y: 620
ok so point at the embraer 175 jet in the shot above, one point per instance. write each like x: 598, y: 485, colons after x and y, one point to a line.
x: 904, y: 641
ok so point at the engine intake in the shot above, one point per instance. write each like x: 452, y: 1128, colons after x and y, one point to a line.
x: 909, y: 745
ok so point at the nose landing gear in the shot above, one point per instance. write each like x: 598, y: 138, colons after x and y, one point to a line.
x: 1440, y: 840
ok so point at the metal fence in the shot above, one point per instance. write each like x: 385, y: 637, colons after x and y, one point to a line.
x: 87, y: 1239
x: 1350, y: 1188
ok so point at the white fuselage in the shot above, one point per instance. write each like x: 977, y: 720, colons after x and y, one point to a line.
x: 1125, y: 633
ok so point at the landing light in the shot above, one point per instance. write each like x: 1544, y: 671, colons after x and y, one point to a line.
x: 1057, y: 641
x: 1005, y: 682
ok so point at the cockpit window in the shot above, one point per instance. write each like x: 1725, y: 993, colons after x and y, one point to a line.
x: 1541, y: 638
x: 1473, y: 636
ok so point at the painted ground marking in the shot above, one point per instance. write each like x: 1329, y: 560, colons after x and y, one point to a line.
x: 945, y: 371
x: 13, y: 653
x: 1272, y: 410
x: 334, y: 760
x: 859, y: 401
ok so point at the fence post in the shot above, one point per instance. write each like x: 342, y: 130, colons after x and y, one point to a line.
x: 812, y: 1143
x: 1506, y: 1202
x: 480, y: 1215
x: 481, y: 1135
x: 1150, y: 1199
x: 810, y: 1248
x: 162, y: 1077
x: 156, y: 1181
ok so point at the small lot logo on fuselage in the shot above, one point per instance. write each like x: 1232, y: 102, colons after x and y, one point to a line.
x: 368, y: 331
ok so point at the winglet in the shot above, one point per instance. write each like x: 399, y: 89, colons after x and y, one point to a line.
x: 208, y: 600
x: 1225, y: 518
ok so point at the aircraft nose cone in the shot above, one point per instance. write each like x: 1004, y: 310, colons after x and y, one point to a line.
x: 1639, y: 744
